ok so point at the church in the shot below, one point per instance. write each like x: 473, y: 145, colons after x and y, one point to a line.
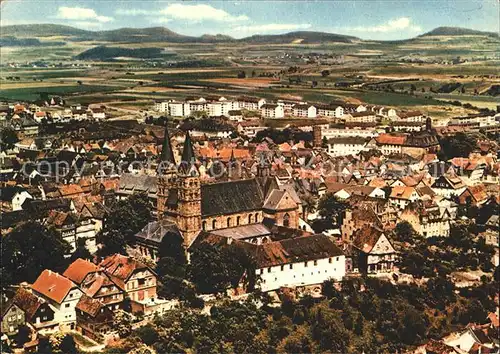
x: 255, y: 210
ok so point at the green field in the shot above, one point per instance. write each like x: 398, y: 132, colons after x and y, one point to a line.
x: 33, y: 93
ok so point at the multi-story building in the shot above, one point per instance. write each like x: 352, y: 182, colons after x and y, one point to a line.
x: 346, y: 146
x: 269, y: 110
x: 61, y: 293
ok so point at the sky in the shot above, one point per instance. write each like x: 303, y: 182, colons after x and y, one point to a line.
x: 367, y: 19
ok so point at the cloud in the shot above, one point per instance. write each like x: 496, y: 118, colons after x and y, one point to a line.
x: 81, y: 14
x: 272, y: 27
x: 198, y: 13
x: 135, y: 12
x: 398, y: 24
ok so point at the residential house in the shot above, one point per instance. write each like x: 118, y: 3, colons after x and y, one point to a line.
x: 427, y: 219
x: 413, y: 116
x: 13, y: 317
x: 372, y: 251
x: 473, y: 195
x: 61, y: 293
x: 134, y: 277
x: 65, y: 224
x: 38, y: 313
x: 93, y: 319
x: 402, y: 196
x: 448, y: 186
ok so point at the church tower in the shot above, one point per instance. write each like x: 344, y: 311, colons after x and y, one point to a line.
x: 166, y: 174
x: 189, y: 195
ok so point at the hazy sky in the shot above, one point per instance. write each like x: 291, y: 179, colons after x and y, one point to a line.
x: 372, y: 19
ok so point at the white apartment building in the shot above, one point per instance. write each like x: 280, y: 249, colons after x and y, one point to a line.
x: 304, y: 111
x: 346, y: 133
x: 272, y: 111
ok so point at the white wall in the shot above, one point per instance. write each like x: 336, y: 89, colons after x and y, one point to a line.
x: 297, y: 274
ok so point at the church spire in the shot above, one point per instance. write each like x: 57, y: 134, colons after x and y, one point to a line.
x: 187, y: 155
x: 167, y: 155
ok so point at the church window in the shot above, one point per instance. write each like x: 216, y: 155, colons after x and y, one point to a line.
x: 214, y: 224
x: 256, y: 217
x: 249, y: 218
x: 238, y: 218
x: 229, y: 222
x: 204, y: 225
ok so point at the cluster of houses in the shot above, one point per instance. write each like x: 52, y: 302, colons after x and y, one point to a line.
x: 26, y: 118
x: 84, y: 298
x: 260, y: 196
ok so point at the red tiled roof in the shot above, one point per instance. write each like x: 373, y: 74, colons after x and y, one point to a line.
x: 387, y: 139
x: 53, y: 285
x: 79, y: 269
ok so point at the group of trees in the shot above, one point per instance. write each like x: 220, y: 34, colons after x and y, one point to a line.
x: 124, y: 219
x: 8, y: 137
x: 29, y: 249
x: 458, y: 145
x: 440, y: 256
x: 331, y: 211
x: 285, y: 135
x: 363, y: 315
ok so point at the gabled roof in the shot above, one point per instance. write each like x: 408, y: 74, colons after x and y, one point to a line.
x: 79, y: 269
x: 366, y: 238
x: 53, y: 285
x: 27, y: 302
x: 120, y: 268
x: 90, y: 306
x: 297, y: 249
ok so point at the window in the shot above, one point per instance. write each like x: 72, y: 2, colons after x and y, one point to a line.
x: 214, y: 224
x: 286, y: 220
x: 238, y: 220
x: 337, y: 258
x: 229, y: 223
x: 204, y: 225
x: 66, y: 305
x: 256, y: 217
x: 141, y: 282
x: 291, y: 266
x: 330, y: 260
x: 305, y: 264
x: 249, y: 218
x: 282, y: 268
x: 315, y: 263
x: 269, y: 270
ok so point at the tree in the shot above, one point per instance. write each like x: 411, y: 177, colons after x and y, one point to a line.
x: 332, y: 208
x: 125, y: 219
x: 404, y: 232
x: 214, y: 269
x: 81, y: 251
x: 8, y: 137
x: 325, y: 73
x: 68, y: 345
x: 29, y: 249
x: 459, y: 145
x: 147, y: 334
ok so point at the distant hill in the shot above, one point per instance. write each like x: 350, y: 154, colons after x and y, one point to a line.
x: 11, y: 41
x: 41, y: 30
x: 457, y: 31
x: 131, y: 35
x: 109, y: 53
x: 305, y: 37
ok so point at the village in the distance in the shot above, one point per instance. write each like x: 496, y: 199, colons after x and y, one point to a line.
x: 299, y: 193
